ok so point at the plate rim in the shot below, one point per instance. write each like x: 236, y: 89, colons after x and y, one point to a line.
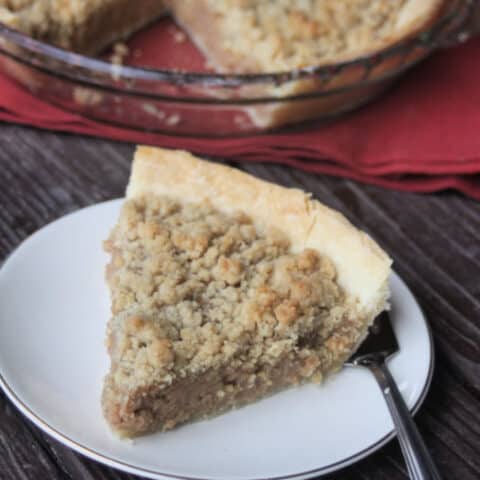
x: 156, y: 474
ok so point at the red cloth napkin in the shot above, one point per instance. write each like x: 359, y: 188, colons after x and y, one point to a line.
x: 423, y: 136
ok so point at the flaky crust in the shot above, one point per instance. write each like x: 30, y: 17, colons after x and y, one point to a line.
x: 362, y: 266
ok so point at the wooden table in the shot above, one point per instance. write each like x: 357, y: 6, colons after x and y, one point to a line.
x: 434, y: 240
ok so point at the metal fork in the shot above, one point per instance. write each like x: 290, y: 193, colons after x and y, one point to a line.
x: 380, y: 345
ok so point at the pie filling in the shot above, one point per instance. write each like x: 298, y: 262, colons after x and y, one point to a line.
x: 209, y: 312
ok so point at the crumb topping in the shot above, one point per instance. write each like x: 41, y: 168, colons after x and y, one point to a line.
x: 287, y: 34
x: 195, y: 289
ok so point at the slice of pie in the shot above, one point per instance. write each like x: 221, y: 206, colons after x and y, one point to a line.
x: 226, y: 289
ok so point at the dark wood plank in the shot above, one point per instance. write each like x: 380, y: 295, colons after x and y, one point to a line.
x: 434, y: 240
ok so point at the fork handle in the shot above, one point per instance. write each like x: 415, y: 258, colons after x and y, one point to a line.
x: 419, y: 462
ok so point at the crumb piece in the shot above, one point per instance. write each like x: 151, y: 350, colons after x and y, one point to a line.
x: 121, y: 48
x: 179, y: 36
x: 87, y: 96
x: 173, y: 120
x: 153, y: 110
x: 119, y: 52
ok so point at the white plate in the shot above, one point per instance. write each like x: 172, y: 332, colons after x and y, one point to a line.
x: 53, y: 310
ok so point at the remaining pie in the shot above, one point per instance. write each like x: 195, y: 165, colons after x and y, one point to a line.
x: 226, y: 289
x: 235, y: 35
x: 242, y: 36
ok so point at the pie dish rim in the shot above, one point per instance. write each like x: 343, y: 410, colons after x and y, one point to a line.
x: 51, y: 58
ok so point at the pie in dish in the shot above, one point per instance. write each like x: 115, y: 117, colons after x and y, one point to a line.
x: 244, y: 36
x: 235, y: 35
x: 226, y: 289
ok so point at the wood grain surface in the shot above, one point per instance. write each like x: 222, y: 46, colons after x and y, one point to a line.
x: 434, y: 240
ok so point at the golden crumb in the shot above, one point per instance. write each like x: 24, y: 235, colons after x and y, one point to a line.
x: 179, y: 36
x: 120, y: 52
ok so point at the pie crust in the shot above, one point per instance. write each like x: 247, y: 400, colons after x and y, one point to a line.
x: 226, y: 289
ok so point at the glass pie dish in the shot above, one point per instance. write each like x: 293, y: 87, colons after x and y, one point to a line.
x: 201, y: 103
